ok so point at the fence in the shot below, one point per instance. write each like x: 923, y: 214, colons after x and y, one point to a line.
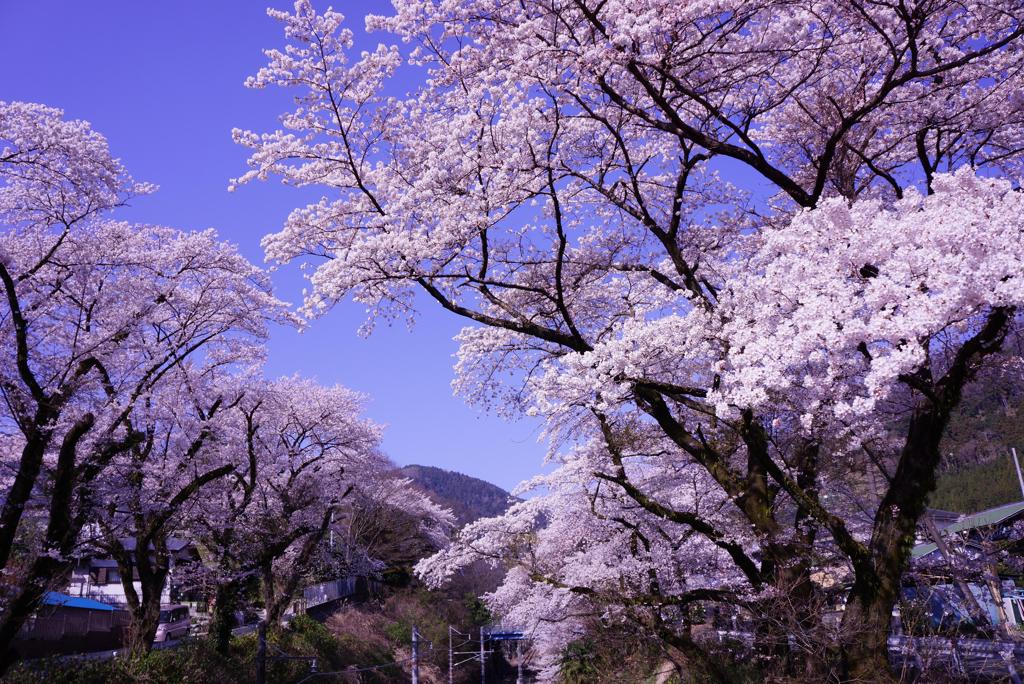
x: 966, y: 657
x: 66, y: 623
x: 325, y: 592
x: 972, y: 658
x: 71, y: 631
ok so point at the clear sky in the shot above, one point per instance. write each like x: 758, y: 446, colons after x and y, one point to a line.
x: 162, y: 80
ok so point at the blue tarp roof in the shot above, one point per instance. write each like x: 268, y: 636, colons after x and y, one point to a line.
x: 53, y: 598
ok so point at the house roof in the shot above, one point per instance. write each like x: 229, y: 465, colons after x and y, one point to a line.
x: 102, y: 563
x: 173, y: 544
x: 943, y: 519
x: 986, y: 518
x: 54, y: 598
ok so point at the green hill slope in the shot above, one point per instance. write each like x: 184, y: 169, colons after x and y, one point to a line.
x: 977, y: 487
x: 469, y: 498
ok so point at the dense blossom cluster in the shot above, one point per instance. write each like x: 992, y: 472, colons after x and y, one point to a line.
x: 850, y: 299
x: 55, y: 170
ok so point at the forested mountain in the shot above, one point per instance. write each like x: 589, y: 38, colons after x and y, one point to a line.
x: 468, y: 497
x: 987, y: 423
x: 977, y: 487
x: 977, y: 469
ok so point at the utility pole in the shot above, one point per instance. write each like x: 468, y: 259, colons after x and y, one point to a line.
x: 483, y: 663
x: 415, y: 657
x: 261, y: 653
x: 519, y: 662
x: 451, y: 662
x: 1016, y: 464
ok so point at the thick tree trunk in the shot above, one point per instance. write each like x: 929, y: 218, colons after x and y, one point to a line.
x: 24, y: 603
x: 20, y: 490
x: 223, y: 620
x: 151, y: 558
x: 274, y: 603
x: 226, y: 597
x: 866, y: 634
x: 145, y: 621
x: 62, y: 532
x: 145, y: 609
x: 877, y: 583
x: 876, y: 588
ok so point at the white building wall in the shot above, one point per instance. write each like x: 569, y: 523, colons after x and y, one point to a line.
x: 111, y: 592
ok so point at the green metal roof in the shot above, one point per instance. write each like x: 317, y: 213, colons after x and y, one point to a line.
x: 922, y: 550
x: 992, y: 516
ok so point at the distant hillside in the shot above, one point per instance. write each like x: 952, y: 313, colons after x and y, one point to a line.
x: 976, y: 471
x: 987, y: 422
x: 468, y: 497
x: 977, y: 487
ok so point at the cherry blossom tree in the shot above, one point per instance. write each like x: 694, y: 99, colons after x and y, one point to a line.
x: 387, y: 523
x: 299, y: 450
x: 55, y: 174
x: 579, y: 551
x: 733, y: 223
x: 119, y: 310
x: 149, y: 491
x: 98, y: 316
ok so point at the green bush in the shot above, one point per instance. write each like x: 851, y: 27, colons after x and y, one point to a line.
x: 62, y: 671
x: 198, y: 662
x: 477, y: 609
x: 309, y: 636
x: 578, y: 664
x: 398, y: 632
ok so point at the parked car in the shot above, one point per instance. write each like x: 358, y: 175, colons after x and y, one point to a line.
x: 174, y: 623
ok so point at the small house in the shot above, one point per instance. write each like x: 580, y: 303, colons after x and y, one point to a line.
x: 98, y: 577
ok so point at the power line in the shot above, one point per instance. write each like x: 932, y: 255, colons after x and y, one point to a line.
x: 417, y: 640
x: 262, y: 658
x: 353, y: 670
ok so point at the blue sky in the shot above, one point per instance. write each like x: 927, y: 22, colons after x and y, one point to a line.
x: 163, y: 82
